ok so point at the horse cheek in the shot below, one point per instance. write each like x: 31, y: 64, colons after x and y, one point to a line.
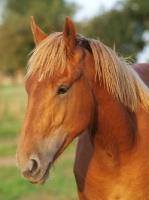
x: 59, y: 112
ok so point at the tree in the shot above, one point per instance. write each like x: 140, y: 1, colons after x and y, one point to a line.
x: 123, y: 26
x: 15, y: 33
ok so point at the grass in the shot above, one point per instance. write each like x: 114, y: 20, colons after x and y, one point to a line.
x: 9, y: 129
x: 12, y: 110
x: 61, y: 185
x: 7, y: 150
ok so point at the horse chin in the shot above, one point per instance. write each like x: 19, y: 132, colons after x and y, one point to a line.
x: 41, y: 181
x: 44, y: 177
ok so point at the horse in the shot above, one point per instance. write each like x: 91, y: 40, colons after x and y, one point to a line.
x: 80, y: 88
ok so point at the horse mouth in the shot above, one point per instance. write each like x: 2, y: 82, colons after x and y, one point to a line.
x: 46, y: 173
x: 44, y: 177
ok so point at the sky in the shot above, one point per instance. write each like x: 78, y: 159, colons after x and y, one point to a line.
x: 88, y: 8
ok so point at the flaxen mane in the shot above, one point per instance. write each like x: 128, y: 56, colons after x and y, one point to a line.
x: 117, y: 76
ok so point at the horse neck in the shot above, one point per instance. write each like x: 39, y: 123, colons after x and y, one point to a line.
x: 115, y: 125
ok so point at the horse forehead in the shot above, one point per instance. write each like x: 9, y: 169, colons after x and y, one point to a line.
x: 45, y: 81
x: 44, y: 77
x: 36, y: 82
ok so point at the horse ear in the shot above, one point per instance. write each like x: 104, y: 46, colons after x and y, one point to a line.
x: 38, y: 34
x: 69, y: 35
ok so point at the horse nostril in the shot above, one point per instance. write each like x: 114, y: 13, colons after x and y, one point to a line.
x: 35, y: 167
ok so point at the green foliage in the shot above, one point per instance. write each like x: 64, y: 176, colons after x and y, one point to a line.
x: 122, y: 27
x: 15, y: 33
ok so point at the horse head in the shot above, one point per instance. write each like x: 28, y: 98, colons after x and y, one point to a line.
x: 60, y: 100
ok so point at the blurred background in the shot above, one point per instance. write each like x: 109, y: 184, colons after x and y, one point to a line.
x: 123, y: 24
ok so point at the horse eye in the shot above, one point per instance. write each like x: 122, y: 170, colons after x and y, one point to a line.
x: 62, y: 90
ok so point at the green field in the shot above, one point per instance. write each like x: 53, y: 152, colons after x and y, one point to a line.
x: 60, y: 186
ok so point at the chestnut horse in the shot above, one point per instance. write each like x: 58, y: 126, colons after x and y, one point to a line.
x: 80, y: 87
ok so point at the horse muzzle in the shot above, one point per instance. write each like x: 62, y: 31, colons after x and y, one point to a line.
x: 33, y: 171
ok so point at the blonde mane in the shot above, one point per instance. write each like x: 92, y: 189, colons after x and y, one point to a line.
x: 49, y: 55
x: 118, y: 77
